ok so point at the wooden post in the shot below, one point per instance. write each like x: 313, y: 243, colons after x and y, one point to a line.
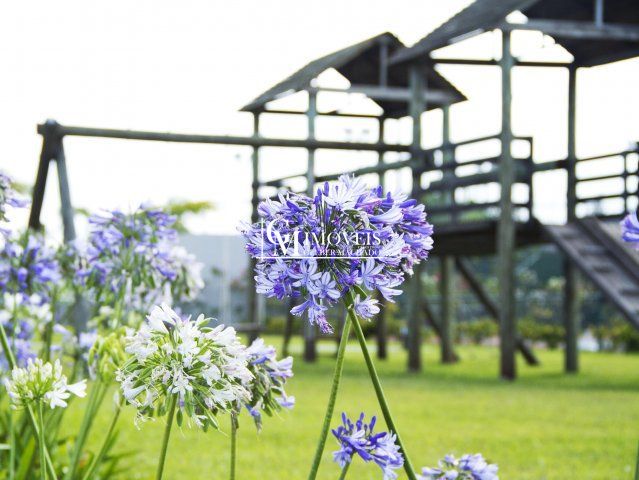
x: 383, y: 63
x: 65, y: 194
x: 506, y: 227
x: 380, y: 157
x: 416, y: 107
x: 431, y: 322
x: 446, y: 289
x: 52, y: 149
x: 447, y: 157
x: 447, y: 271
x: 253, y: 307
x: 599, y: 13
x: 46, y: 154
x: 571, y: 306
x: 382, y: 327
x: 310, y: 348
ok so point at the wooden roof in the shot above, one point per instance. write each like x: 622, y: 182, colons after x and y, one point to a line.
x: 483, y: 15
x: 359, y: 63
x: 588, y: 52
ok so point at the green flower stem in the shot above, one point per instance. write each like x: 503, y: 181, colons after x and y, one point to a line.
x: 11, y: 360
x: 337, y: 375
x: 12, y: 446
x: 48, y: 331
x: 41, y: 443
x: 637, y: 467
x: 381, y: 398
x: 342, y: 475
x: 93, y: 403
x: 233, y: 444
x: 167, y: 434
x: 105, y: 444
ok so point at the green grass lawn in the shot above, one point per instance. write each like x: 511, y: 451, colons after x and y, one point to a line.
x: 546, y: 425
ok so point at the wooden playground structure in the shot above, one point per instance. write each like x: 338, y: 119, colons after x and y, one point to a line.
x: 403, y: 82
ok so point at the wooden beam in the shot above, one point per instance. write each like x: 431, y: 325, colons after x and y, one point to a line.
x: 417, y: 106
x: 571, y: 159
x: 446, y: 289
x: 571, y: 302
x: 431, y: 321
x: 310, y: 344
x: 253, y: 311
x: 599, y: 13
x: 251, y: 141
x: 425, y: 153
x: 310, y: 168
x: 578, y: 29
x: 463, y: 61
x: 382, y: 327
x: 571, y: 317
x: 66, y: 207
x: 383, y: 63
x: 477, y: 288
x: 448, y: 159
x: 534, y: 64
x: 506, y: 226
x: 488, y: 63
x: 255, y: 169
x: 611, y: 56
x: 322, y: 114
x: 40, y: 184
x: 397, y: 94
x: 490, y: 305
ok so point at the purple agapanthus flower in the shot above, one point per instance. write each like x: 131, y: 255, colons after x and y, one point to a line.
x: 468, y: 467
x: 267, y: 384
x: 135, y: 256
x: 347, y: 239
x: 630, y: 229
x: 119, y: 241
x: 358, y: 438
x: 20, y: 335
x: 9, y: 197
x: 28, y: 268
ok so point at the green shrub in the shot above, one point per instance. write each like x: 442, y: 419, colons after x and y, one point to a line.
x: 477, y: 331
x: 624, y: 337
x: 551, y: 334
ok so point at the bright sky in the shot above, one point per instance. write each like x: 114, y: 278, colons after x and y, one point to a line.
x: 189, y: 66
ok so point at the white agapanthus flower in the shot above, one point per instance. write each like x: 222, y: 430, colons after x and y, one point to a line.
x: 42, y: 382
x: 204, y: 369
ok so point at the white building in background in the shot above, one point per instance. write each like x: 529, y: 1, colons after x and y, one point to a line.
x: 224, y: 273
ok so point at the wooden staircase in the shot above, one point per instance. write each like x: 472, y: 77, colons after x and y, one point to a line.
x: 596, y: 248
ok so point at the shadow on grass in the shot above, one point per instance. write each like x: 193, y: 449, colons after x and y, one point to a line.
x: 478, y: 368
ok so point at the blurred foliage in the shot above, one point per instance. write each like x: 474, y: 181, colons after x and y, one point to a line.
x: 618, y: 335
x: 183, y: 208
x: 477, y: 331
x: 550, y: 334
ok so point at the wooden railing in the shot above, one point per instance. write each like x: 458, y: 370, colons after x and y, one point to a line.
x: 451, y: 198
x: 606, y: 185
